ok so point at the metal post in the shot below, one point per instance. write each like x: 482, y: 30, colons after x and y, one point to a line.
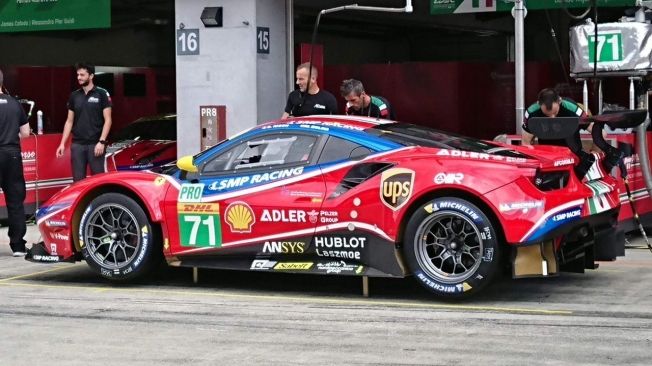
x: 365, y: 286
x: 519, y: 12
x: 289, y: 45
x: 641, y: 147
x: 585, y: 94
x: 600, y: 101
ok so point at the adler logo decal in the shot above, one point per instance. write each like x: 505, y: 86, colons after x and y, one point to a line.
x: 396, y: 187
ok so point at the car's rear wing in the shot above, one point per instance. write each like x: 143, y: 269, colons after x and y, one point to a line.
x: 565, y: 128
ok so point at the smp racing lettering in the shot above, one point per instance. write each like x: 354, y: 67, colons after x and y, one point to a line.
x: 254, y: 179
x: 567, y: 215
x: 554, y: 221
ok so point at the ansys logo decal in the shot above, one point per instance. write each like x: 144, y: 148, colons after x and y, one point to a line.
x: 396, y: 187
x: 239, y: 217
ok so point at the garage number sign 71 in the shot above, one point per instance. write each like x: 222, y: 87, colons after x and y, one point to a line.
x: 610, y: 46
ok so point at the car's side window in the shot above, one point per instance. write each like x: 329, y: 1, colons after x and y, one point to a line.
x: 263, y: 151
x: 340, y: 149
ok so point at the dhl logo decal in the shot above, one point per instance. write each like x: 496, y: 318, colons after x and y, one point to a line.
x: 198, y: 207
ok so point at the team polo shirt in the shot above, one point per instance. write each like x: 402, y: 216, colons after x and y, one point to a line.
x: 12, y: 117
x: 378, y: 108
x: 89, y: 117
x: 567, y: 108
x: 304, y: 104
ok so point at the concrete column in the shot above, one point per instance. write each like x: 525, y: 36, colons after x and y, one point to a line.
x: 228, y: 70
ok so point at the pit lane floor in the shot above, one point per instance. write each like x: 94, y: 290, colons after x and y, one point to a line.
x: 53, y: 314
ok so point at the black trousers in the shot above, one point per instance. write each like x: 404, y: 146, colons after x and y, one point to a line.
x: 82, y: 156
x: 12, y: 182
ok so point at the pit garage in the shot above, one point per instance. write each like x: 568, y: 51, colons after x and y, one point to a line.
x: 185, y: 75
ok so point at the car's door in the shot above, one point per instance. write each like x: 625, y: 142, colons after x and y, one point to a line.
x: 257, y: 197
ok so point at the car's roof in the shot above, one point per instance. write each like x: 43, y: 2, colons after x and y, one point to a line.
x: 157, y: 117
x: 342, y: 121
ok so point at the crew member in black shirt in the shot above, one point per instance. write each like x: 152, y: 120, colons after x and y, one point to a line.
x: 13, y: 127
x: 550, y: 104
x: 359, y: 103
x: 89, y: 120
x: 315, y: 101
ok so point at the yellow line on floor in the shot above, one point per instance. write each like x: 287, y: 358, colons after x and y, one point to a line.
x: 320, y: 300
x: 35, y: 273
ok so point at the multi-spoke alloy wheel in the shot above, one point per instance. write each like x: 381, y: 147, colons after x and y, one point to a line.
x: 451, y: 247
x: 117, y: 238
x: 112, y: 235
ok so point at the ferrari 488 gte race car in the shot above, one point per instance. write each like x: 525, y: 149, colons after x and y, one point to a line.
x: 347, y: 196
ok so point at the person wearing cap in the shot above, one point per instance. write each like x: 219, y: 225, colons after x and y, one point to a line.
x: 359, y: 103
x: 13, y: 127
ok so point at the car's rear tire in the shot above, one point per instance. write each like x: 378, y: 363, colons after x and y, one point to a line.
x: 117, y: 239
x: 451, y: 247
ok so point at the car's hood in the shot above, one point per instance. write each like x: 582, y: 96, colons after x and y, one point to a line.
x: 140, y: 154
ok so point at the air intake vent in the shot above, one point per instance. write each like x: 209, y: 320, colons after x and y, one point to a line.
x: 357, y: 175
x: 550, y: 181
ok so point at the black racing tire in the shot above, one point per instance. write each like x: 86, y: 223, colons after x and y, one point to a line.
x: 117, y: 238
x: 451, y: 247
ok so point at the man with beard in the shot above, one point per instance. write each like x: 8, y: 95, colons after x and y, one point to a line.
x: 314, y: 101
x: 359, y: 103
x: 89, y: 120
x: 13, y: 127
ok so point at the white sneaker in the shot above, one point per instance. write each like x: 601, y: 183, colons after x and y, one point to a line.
x: 19, y: 254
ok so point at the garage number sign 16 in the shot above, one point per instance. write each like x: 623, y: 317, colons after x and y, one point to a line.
x: 187, y: 42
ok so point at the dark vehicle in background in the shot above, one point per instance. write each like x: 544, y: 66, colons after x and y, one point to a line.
x: 147, y: 143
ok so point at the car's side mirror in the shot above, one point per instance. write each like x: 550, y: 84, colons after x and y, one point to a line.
x: 185, y: 163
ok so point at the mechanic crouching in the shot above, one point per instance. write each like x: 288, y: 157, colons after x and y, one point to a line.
x: 13, y: 127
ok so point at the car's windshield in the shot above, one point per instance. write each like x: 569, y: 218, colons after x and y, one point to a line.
x: 412, y: 135
x: 155, y: 129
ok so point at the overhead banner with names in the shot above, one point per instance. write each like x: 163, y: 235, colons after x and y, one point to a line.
x: 40, y: 15
x: 477, y: 6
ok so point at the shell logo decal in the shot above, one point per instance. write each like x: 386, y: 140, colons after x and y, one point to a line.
x: 240, y: 217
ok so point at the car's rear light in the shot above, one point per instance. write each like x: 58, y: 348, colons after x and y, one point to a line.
x: 550, y: 181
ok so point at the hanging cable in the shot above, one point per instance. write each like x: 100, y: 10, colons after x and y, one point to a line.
x: 573, y: 16
x: 554, y: 40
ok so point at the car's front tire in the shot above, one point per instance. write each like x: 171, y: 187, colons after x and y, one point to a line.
x: 117, y: 239
x: 451, y: 247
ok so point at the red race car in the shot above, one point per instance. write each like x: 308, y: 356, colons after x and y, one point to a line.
x: 348, y: 196
x: 146, y: 143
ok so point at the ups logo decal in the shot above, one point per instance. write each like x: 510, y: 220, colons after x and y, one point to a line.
x: 396, y: 187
